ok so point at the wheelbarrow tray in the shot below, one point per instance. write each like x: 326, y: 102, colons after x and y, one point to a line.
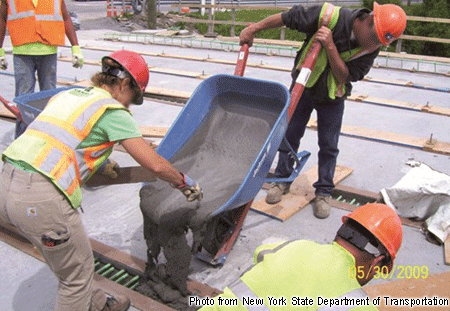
x: 226, y: 138
x: 31, y: 105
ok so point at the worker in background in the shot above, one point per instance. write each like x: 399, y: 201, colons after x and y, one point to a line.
x: 36, y: 28
x: 367, y: 241
x: 44, y: 169
x: 350, y: 42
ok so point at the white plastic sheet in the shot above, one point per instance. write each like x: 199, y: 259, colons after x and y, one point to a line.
x: 424, y: 194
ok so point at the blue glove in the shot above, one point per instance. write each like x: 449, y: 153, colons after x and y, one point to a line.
x: 190, y: 188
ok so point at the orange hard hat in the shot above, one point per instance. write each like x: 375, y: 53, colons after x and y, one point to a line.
x: 383, y: 222
x: 390, y: 22
x: 135, y: 65
x: 185, y: 9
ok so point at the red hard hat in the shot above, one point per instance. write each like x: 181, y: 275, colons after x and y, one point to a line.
x: 135, y: 64
x: 390, y: 22
x: 383, y: 222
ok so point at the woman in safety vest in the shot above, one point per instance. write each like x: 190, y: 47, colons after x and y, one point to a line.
x: 44, y: 169
x: 350, y: 42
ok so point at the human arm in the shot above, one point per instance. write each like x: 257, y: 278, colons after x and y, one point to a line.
x: 3, y: 19
x: 248, y: 33
x: 149, y: 159
x: 77, y: 56
x: 338, y: 66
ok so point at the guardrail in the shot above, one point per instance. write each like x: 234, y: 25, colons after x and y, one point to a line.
x: 210, y: 21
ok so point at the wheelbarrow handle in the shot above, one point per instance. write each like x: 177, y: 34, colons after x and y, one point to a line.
x: 303, y: 76
x: 11, y: 107
x: 242, y: 60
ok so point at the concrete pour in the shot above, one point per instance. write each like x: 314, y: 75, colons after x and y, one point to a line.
x: 219, y: 156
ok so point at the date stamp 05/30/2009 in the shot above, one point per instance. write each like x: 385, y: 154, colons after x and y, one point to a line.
x: 398, y: 272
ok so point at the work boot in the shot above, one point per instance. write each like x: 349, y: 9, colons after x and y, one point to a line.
x: 276, y: 191
x: 117, y: 303
x: 321, y: 207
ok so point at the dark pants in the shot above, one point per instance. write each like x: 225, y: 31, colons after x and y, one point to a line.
x: 329, y: 121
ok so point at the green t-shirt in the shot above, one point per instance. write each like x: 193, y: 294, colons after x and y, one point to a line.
x: 35, y: 48
x: 114, y: 125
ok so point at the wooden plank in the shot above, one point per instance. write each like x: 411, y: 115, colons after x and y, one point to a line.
x: 151, y: 69
x: 126, y: 175
x: 428, y: 19
x: 6, y: 113
x: 301, y: 193
x: 138, y: 264
x: 230, y: 6
x: 435, y: 285
x: 447, y: 251
x: 153, y: 131
x: 391, y: 138
x: 421, y: 38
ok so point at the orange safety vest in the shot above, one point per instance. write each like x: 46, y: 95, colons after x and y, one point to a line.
x: 43, y: 23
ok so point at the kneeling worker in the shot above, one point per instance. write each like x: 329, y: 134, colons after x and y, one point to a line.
x: 44, y: 169
x: 365, y: 245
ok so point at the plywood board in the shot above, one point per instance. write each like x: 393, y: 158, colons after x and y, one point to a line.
x: 153, y: 131
x: 126, y: 175
x: 436, y: 285
x: 392, y: 138
x: 6, y: 113
x: 301, y: 193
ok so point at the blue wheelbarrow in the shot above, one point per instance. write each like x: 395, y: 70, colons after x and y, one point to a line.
x: 226, y: 137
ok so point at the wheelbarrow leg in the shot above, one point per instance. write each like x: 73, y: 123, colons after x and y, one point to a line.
x: 230, y: 237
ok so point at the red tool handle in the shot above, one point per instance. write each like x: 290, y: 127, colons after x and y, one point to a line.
x: 303, y: 76
x: 242, y: 60
x: 11, y: 107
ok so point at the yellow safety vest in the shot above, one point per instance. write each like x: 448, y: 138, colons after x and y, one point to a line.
x: 328, y: 17
x: 43, y: 23
x: 50, y: 143
x: 280, y: 273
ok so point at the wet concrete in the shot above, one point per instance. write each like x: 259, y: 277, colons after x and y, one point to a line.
x: 219, y: 156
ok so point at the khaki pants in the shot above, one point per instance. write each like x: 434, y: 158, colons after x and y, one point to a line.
x: 31, y: 203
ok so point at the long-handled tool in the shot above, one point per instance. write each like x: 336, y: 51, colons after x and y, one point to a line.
x: 12, y: 107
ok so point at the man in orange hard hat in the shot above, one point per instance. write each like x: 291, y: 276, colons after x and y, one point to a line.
x: 350, y: 42
x: 365, y: 247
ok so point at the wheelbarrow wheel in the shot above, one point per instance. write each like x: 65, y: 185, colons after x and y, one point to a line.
x: 217, y: 230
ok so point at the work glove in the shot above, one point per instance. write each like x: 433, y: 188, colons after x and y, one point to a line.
x: 109, y: 168
x: 3, y: 62
x: 77, y: 57
x: 190, y: 188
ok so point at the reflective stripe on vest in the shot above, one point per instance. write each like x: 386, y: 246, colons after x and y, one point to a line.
x: 328, y: 17
x: 358, y: 293
x: 241, y: 290
x: 72, y: 135
x: 56, y: 16
x: 61, y: 127
x: 42, y: 23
